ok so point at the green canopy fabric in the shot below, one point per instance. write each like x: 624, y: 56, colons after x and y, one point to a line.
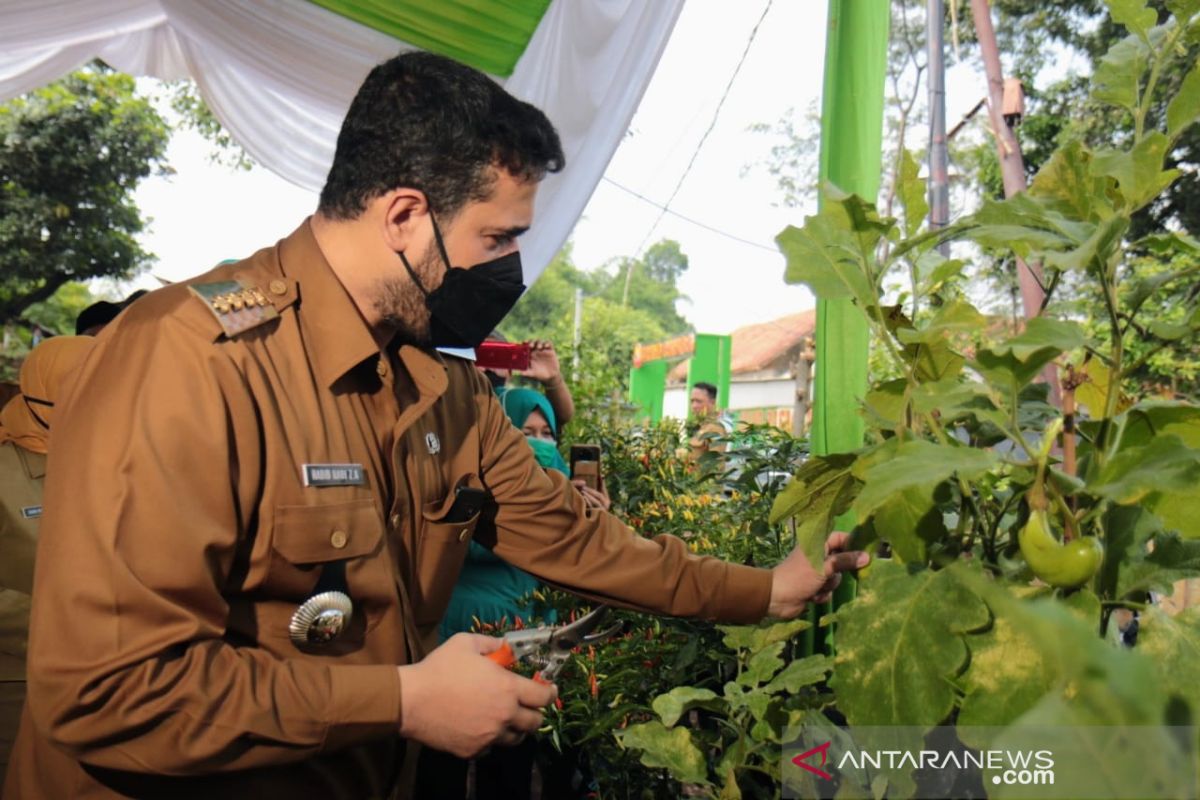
x: 489, y: 35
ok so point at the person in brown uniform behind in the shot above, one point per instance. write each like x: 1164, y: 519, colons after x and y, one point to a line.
x: 24, y: 436
x: 253, y: 533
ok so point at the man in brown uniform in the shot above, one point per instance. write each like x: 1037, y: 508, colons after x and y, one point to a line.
x: 25, y: 420
x: 253, y: 533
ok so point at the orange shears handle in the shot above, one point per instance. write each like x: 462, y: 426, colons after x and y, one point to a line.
x: 506, y: 658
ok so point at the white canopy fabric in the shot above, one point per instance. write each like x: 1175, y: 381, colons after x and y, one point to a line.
x: 280, y: 74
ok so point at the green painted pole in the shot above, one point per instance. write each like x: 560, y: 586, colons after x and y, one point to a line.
x: 851, y: 145
x: 646, y: 386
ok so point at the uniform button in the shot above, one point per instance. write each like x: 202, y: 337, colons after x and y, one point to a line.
x: 338, y: 539
x: 277, y: 287
x: 463, y: 534
x: 395, y: 521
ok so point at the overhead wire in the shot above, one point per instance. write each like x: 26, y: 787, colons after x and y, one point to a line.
x: 665, y: 208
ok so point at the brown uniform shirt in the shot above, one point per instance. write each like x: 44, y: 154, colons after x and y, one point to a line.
x: 21, y: 474
x: 180, y: 539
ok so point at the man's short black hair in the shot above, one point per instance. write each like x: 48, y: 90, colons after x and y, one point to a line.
x: 708, y: 389
x: 427, y: 122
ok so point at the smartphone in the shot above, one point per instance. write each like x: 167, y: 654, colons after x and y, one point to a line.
x: 585, y: 464
x: 502, y: 355
x: 467, y: 503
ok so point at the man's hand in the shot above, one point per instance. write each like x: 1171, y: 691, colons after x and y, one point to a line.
x: 795, y: 581
x: 593, y: 498
x: 462, y: 703
x: 543, y: 363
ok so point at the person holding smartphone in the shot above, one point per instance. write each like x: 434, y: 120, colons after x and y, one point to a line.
x: 541, y: 366
x: 490, y: 590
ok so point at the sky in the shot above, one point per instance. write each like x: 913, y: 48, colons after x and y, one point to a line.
x: 205, y: 213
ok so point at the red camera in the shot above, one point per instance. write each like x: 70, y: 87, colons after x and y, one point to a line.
x: 502, y: 355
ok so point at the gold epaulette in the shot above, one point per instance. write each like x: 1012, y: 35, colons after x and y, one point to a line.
x: 238, y: 308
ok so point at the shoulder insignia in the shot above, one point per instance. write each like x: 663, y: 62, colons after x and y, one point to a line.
x: 237, y: 308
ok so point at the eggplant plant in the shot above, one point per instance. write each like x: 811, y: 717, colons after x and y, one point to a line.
x: 1014, y: 528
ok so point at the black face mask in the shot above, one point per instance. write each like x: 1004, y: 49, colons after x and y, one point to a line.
x: 470, y: 303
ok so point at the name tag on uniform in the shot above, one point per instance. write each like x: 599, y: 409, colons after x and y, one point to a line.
x: 31, y: 512
x: 334, y: 475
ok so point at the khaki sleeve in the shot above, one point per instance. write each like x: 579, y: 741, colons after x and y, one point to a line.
x: 543, y: 527
x: 153, y: 475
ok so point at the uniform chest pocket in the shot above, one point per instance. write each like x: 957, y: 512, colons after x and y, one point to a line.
x: 442, y: 542
x: 306, y: 538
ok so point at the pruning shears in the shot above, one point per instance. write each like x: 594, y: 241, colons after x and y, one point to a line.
x: 549, y: 648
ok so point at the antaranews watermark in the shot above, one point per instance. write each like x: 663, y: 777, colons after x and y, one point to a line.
x: 1081, y: 763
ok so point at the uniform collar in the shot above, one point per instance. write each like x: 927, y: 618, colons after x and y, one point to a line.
x: 337, y: 336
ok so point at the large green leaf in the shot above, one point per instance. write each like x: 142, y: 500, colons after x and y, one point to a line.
x: 1139, y: 173
x: 1172, y: 559
x: 1027, y: 225
x: 821, y: 491
x: 953, y: 400
x: 885, y: 405
x: 762, y: 636
x: 1097, y: 251
x: 762, y: 666
x: 1134, y: 15
x: 1010, y: 365
x: 670, y: 748
x: 1009, y: 673
x: 1117, y: 79
x: 834, y: 253
x: 1184, y: 108
x: 956, y: 316
x: 800, y: 673
x: 912, y: 194
x: 1173, y: 646
x: 675, y: 703
x: 910, y: 520
x: 900, y: 643
x: 1127, y: 530
x: 1165, y: 464
x: 934, y: 269
x: 1152, y: 418
x: 1067, y: 184
x: 1183, y: 10
x: 1041, y: 333
x: 917, y: 463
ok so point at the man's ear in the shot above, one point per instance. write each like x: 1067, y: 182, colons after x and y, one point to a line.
x: 402, y: 214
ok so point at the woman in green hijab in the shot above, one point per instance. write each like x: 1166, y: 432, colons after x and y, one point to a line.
x: 489, y: 588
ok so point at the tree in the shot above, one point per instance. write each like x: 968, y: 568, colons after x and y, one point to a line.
x: 651, y: 284
x: 71, y: 155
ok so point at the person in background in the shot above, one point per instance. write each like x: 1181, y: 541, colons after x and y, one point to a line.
x: 709, y: 425
x: 24, y: 442
x: 96, y: 317
x: 543, y: 369
x: 492, y: 591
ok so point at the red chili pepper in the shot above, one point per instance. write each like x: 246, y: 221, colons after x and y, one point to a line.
x: 648, y: 664
x: 558, y: 703
x: 518, y: 623
x: 649, y: 635
x: 593, y: 684
x: 572, y: 615
x: 591, y: 652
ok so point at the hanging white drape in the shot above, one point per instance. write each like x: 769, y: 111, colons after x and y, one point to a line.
x: 279, y: 75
